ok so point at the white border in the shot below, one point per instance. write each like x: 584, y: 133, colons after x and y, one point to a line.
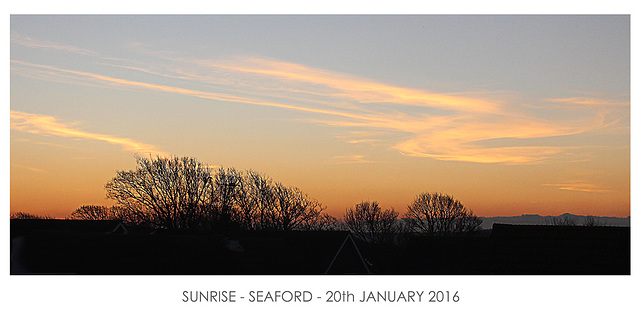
x: 495, y: 299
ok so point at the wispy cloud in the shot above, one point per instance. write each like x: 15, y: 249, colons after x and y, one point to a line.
x: 579, y: 185
x: 356, y: 88
x: 106, y: 80
x: 449, y: 127
x: 34, y: 43
x: 49, y: 125
x: 590, y: 101
x: 32, y: 169
x: 415, y: 122
x: 40, y: 143
x: 350, y: 159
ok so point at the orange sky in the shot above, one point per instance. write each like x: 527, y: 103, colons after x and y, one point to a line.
x: 523, y: 118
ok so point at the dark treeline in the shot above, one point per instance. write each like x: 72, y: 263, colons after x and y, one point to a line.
x: 22, y: 215
x: 180, y: 193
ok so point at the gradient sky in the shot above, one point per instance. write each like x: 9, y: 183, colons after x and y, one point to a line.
x: 508, y: 114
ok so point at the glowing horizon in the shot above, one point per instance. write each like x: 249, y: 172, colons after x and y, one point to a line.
x: 342, y: 130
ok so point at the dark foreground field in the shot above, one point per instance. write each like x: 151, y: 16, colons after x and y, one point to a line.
x: 109, y: 248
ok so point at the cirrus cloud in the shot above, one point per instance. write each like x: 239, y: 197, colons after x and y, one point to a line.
x: 415, y: 122
x: 578, y: 185
x: 49, y: 125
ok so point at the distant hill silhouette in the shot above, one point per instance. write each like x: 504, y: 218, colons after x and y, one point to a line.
x: 535, y: 219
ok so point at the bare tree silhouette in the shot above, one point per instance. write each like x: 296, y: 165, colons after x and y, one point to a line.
x: 227, y: 185
x: 561, y: 221
x: 323, y: 222
x: 22, y: 215
x: 265, y: 204
x: 437, y: 214
x: 569, y: 220
x: 92, y: 212
x: 95, y: 212
x: 372, y: 224
x: 180, y: 193
x: 594, y: 221
x: 164, y: 192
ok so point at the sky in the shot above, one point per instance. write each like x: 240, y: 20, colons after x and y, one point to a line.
x: 508, y: 114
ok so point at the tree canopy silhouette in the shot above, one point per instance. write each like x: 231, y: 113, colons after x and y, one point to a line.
x: 95, y: 212
x: 22, y: 215
x: 261, y: 203
x: 372, y: 224
x: 437, y: 214
x: 165, y: 192
x: 182, y: 193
